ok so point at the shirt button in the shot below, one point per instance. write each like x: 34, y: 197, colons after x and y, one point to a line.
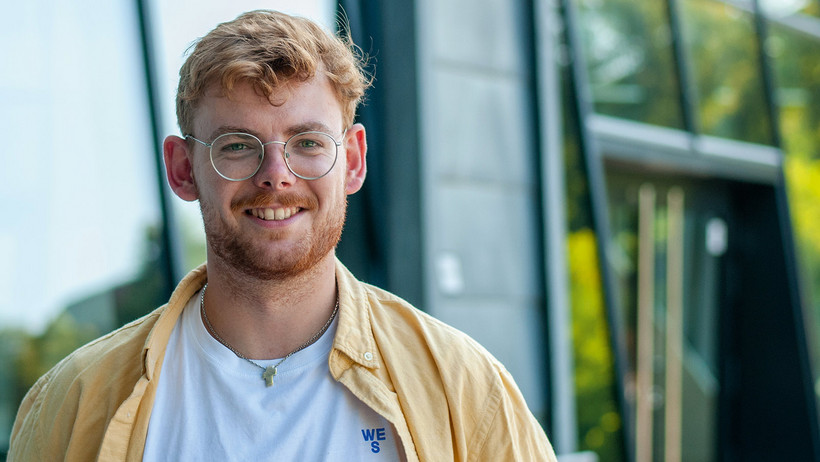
x: 368, y: 356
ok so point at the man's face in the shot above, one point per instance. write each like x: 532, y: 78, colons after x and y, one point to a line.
x: 301, y: 220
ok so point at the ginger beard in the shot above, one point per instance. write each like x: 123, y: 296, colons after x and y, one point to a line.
x: 248, y: 255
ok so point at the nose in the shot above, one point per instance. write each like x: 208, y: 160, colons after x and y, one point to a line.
x: 274, y: 172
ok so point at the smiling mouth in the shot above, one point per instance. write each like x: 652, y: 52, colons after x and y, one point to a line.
x: 269, y: 214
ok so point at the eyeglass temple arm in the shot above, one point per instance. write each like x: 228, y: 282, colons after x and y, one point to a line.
x: 207, y: 145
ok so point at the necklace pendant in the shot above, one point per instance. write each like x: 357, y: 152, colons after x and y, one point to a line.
x: 268, y: 375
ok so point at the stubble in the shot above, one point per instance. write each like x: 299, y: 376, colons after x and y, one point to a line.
x: 251, y: 255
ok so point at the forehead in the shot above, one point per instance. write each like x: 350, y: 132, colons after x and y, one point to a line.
x: 289, y: 108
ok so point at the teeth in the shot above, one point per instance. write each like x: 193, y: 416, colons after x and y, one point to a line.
x: 274, y: 214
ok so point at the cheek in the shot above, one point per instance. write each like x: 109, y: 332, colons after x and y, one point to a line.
x: 198, y: 176
x: 216, y: 198
x: 337, y: 192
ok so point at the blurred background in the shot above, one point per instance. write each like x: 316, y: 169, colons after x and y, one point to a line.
x: 618, y: 198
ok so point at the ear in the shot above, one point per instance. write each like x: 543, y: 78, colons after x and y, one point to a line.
x: 356, y: 150
x: 179, y: 169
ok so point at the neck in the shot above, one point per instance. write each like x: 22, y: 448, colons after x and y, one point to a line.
x: 268, y: 319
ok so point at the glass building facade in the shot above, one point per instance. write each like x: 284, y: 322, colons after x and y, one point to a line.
x: 617, y: 198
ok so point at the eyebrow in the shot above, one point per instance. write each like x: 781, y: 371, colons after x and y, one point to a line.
x: 232, y: 129
x: 309, y: 126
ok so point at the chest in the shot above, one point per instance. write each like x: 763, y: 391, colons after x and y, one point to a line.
x: 211, y: 405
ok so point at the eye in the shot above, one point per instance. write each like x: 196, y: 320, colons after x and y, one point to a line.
x: 235, y: 147
x: 307, y: 143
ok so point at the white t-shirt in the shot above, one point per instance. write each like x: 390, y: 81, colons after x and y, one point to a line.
x: 213, y: 405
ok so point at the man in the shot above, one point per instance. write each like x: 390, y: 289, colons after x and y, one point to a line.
x: 273, y: 350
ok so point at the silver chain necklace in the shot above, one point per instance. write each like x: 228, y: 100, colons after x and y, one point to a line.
x: 267, y: 372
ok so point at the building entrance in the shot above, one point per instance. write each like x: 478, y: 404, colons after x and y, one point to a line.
x: 669, y: 237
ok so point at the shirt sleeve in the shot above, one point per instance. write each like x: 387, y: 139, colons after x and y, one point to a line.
x: 511, y: 432
x: 25, y: 443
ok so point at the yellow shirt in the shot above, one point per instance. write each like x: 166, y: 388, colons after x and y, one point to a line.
x: 447, y: 397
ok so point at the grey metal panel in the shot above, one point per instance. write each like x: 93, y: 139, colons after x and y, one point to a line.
x: 482, y: 255
x: 491, y: 230
x: 481, y: 131
x: 480, y: 33
x: 666, y: 149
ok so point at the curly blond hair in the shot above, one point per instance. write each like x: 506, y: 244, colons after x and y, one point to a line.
x: 269, y: 49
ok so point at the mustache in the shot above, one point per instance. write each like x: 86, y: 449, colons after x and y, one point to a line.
x: 265, y: 199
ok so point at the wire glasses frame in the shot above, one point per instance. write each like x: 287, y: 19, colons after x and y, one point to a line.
x: 238, y: 156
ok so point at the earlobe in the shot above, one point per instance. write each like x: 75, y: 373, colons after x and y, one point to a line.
x: 356, y: 151
x: 179, y: 169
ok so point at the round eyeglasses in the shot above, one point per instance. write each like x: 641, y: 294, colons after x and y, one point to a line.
x: 238, y: 156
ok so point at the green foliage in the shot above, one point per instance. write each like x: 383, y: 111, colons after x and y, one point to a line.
x: 39, y: 353
x: 629, y: 56
x: 796, y: 64
x: 724, y: 55
x: 599, y: 422
x: 26, y: 356
x: 812, y: 8
x: 803, y: 183
x: 797, y: 75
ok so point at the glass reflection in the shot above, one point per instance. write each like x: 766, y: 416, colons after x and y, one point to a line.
x: 668, y: 240
x: 599, y: 420
x: 723, y: 55
x: 797, y: 76
x: 783, y: 8
x: 628, y: 52
x: 79, y: 247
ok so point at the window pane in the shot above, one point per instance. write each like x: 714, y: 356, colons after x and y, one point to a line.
x: 630, y: 61
x: 661, y: 228
x: 796, y: 63
x: 78, y: 238
x: 599, y: 419
x: 723, y: 56
x: 797, y: 70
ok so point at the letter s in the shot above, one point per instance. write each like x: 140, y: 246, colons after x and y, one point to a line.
x: 374, y: 447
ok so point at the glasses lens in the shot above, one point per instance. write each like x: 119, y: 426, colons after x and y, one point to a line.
x: 310, y: 155
x: 236, y: 156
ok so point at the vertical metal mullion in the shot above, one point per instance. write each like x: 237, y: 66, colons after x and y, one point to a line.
x: 688, y: 103
x: 581, y: 97
x: 761, y: 34
x: 172, y: 270
x: 390, y: 230
x: 564, y: 421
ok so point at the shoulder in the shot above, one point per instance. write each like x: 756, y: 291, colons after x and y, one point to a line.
x: 456, y: 397
x: 82, y: 390
x: 110, y: 354
x: 452, y: 383
x: 412, y: 341
x: 370, y: 313
x: 390, y: 312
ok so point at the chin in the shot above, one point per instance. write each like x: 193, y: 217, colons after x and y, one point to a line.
x: 283, y: 264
